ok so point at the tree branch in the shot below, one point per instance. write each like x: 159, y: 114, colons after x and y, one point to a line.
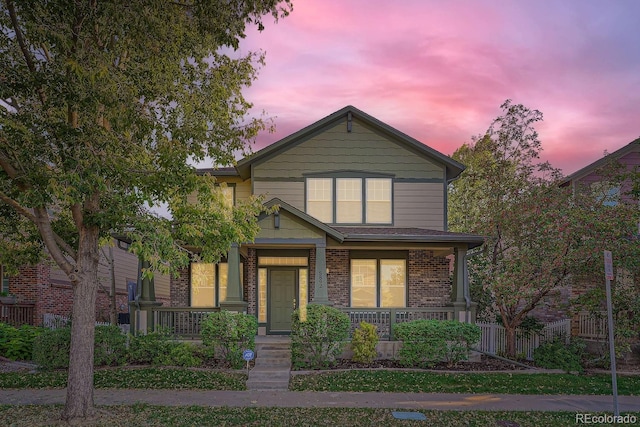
x: 52, y: 243
x: 18, y: 207
x: 23, y: 45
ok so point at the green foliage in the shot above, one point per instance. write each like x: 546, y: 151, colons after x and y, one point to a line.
x: 559, y: 355
x: 110, y: 346
x: 51, y: 349
x: 151, y: 348
x: 319, y: 339
x: 230, y: 334
x: 181, y: 354
x: 363, y: 343
x: 427, y: 342
x: 17, y: 343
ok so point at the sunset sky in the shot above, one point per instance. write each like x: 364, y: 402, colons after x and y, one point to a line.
x: 438, y: 70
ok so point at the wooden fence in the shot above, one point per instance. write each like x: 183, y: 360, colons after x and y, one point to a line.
x: 494, y: 341
x: 592, y: 326
x: 17, y: 314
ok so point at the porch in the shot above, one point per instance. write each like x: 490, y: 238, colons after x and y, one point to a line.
x: 185, y: 322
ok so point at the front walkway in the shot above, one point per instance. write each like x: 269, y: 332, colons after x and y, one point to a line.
x: 289, y: 399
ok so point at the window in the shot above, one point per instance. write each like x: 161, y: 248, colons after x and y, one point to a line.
x: 606, y: 192
x: 228, y: 193
x: 378, y: 282
x: 357, y: 200
x: 5, y: 280
x: 209, y: 283
x: 378, y: 201
x: 349, y: 200
x: 320, y: 198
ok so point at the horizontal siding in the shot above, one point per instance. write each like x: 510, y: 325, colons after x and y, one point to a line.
x: 287, y: 191
x: 418, y: 205
x: 126, y: 268
x: 291, y: 227
x: 362, y: 149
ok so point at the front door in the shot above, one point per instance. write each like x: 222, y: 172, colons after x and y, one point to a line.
x: 282, y: 298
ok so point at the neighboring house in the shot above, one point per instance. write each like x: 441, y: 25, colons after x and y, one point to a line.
x: 361, y: 225
x: 44, y: 289
x: 590, y: 177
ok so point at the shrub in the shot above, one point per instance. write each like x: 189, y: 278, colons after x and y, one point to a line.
x: 229, y: 334
x: 110, y: 346
x: 427, y: 342
x: 51, y: 348
x: 17, y: 343
x: 557, y: 354
x: 150, y: 348
x: 364, y: 341
x: 317, y: 341
x: 181, y: 354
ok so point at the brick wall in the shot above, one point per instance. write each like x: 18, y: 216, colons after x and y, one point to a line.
x: 251, y: 280
x: 338, y: 280
x: 429, y: 280
x: 179, y: 289
x: 33, y: 286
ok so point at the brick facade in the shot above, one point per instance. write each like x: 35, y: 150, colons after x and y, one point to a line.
x: 429, y: 280
x: 32, y: 285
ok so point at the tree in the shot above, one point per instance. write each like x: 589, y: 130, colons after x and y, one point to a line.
x: 539, y: 235
x: 104, y: 103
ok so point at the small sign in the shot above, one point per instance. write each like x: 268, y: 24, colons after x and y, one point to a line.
x: 247, y: 355
x: 608, y: 265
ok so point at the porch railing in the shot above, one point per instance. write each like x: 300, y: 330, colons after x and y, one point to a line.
x: 386, y: 318
x: 183, y: 322
x: 17, y: 314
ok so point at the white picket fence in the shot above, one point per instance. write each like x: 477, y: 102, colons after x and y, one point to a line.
x: 494, y: 340
x: 55, y: 321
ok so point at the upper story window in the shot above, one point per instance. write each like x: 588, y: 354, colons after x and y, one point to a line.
x: 350, y: 200
x: 606, y: 192
x: 228, y: 193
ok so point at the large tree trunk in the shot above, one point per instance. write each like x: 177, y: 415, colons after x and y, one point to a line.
x: 79, y: 404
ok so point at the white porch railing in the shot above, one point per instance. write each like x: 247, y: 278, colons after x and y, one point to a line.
x: 493, y: 339
x: 55, y: 321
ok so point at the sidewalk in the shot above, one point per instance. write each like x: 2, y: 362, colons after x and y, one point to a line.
x: 458, y: 402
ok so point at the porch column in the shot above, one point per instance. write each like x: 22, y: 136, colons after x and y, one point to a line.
x: 320, y: 293
x: 144, y: 302
x: 461, y: 307
x: 234, y: 301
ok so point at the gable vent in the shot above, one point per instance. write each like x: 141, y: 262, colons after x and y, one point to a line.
x: 349, y: 122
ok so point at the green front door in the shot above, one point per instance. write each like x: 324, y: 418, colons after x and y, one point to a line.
x: 282, y: 298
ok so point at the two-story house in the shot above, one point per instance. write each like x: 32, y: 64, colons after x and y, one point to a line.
x: 361, y: 225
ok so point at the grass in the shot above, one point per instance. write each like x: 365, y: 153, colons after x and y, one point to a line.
x: 429, y: 382
x: 148, y: 415
x: 146, y: 378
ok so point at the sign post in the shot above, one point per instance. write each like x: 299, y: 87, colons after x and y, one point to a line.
x: 248, y: 356
x: 608, y: 274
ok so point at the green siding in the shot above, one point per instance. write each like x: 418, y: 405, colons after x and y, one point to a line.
x: 291, y: 227
x: 419, y: 205
x: 363, y: 149
x: 288, y: 191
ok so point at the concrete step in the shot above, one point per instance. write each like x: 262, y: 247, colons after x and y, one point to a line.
x: 276, y: 363
x: 268, y: 375
x: 268, y: 385
x: 282, y: 354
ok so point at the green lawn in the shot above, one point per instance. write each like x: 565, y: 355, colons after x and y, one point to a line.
x: 148, y: 415
x: 429, y: 382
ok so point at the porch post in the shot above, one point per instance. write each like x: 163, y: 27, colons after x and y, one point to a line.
x: 145, y: 300
x: 458, y: 286
x: 234, y: 301
x: 320, y: 293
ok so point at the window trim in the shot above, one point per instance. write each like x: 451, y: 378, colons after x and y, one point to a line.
x: 379, y: 256
x: 363, y: 176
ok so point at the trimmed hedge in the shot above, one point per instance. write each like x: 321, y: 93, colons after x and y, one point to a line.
x: 427, y: 342
x: 230, y: 333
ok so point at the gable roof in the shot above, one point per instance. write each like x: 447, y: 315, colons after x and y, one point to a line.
x: 581, y: 173
x: 453, y: 168
x: 305, y: 217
